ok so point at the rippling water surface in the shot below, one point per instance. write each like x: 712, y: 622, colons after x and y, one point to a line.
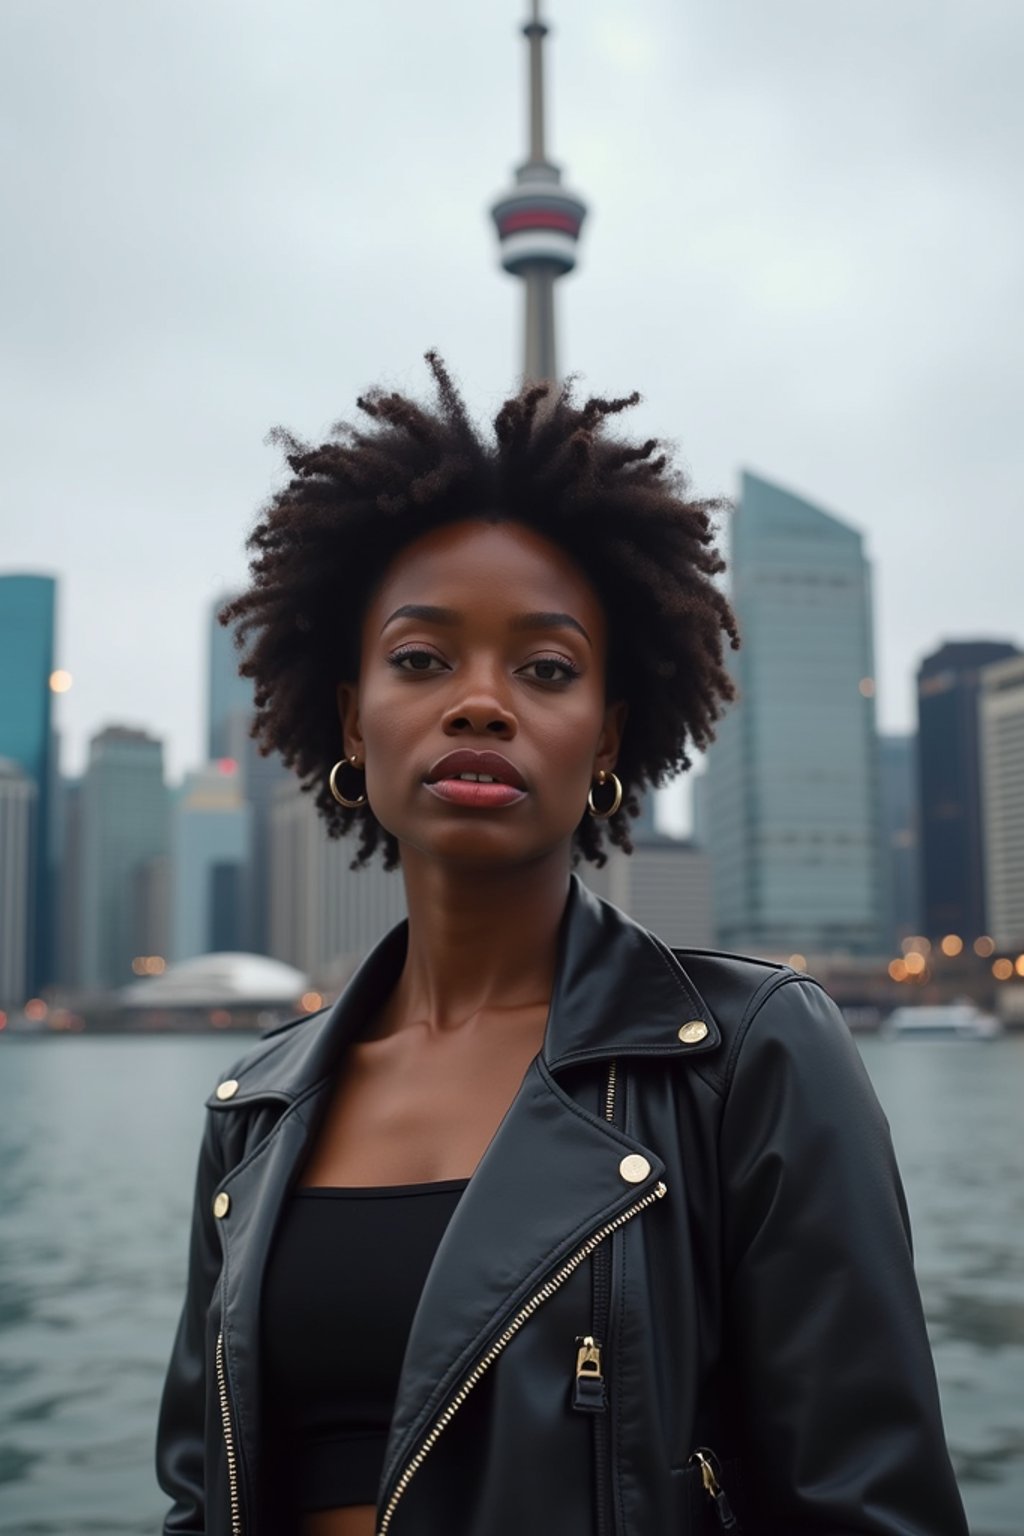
x: 98, y: 1139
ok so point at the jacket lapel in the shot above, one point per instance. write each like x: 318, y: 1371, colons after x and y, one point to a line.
x: 551, y: 1177
x: 549, y: 1180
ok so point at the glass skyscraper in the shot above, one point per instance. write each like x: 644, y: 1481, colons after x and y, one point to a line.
x: 794, y: 822
x: 124, y: 830
x: 949, y: 786
x: 229, y: 696
x: 27, y: 611
x: 229, y: 718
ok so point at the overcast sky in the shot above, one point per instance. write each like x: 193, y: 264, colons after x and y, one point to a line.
x: 805, y: 246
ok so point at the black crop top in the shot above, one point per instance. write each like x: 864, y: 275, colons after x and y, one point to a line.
x: 342, y: 1285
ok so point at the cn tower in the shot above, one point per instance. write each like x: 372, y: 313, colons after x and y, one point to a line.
x: 538, y: 223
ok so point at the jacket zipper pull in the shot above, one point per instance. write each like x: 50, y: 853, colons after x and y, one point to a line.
x: 588, y: 1394
x: 716, y: 1493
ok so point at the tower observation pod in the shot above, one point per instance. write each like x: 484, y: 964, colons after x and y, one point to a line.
x: 538, y: 222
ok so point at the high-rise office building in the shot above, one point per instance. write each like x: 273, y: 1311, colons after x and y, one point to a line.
x: 949, y: 786
x: 538, y: 222
x: 209, y: 853
x: 901, y: 863
x: 228, y: 695
x: 1001, y: 720
x: 68, y: 967
x: 324, y: 915
x: 699, y: 809
x: 124, y: 811
x: 794, y: 823
x: 27, y: 614
x: 229, y: 720
x: 18, y: 798
x: 664, y: 885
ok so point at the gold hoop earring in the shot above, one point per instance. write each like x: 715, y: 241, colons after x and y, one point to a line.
x: 332, y: 782
x: 602, y: 779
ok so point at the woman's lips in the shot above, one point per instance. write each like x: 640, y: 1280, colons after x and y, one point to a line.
x: 483, y: 781
x: 469, y: 792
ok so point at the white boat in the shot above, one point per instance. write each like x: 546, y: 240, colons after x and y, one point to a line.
x: 960, y: 1020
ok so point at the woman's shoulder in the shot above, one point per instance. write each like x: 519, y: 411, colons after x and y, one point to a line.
x: 763, y: 1008
x: 267, y: 1068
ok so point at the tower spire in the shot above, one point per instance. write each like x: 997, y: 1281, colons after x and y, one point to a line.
x: 536, y: 31
x: 538, y: 222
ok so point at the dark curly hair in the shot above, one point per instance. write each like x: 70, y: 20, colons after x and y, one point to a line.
x: 619, y: 509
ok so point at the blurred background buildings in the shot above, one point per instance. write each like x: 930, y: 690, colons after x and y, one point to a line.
x: 814, y: 839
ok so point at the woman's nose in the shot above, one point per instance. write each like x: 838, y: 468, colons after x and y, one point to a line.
x: 480, y: 713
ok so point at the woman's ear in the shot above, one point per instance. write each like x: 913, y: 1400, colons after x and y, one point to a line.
x: 348, y: 713
x: 609, y: 742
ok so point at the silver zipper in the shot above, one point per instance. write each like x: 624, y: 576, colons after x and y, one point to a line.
x: 229, y: 1439
x: 609, y: 1093
x: 484, y: 1364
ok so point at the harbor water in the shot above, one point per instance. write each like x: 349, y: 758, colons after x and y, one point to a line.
x: 98, y: 1138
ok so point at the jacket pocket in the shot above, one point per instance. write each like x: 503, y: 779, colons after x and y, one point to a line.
x: 705, y: 1510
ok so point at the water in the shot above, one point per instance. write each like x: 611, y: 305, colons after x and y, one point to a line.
x: 98, y: 1139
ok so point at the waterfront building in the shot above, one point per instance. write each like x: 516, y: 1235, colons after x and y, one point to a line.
x: 700, y: 809
x: 18, y: 799
x: 27, y: 617
x: 949, y: 786
x: 538, y: 222
x: 664, y: 885
x: 209, y: 852
x: 151, y: 884
x: 898, y: 785
x: 793, y: 813
x: 228, y: 695
x: 125, y: 815
x: 324, y: 915
x: 68, y: 967
x: 229, y: 722
x: 1002, y: 780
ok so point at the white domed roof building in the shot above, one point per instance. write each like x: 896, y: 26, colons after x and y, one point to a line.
x: 232, y: 981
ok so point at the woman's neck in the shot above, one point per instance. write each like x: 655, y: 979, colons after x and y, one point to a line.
x: 479, y: 941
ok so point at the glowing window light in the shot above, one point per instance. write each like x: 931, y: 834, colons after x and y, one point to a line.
x: 60, y: 681
x: 952, y: 945
x: 1002, y: 969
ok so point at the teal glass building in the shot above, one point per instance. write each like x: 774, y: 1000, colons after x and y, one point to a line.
x: 794, y: 813
x: 125, y: 821
x: 27, y: 617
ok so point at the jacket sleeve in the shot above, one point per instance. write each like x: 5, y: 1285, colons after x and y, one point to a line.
x: 842, y: 1426
x: 180, y: 1453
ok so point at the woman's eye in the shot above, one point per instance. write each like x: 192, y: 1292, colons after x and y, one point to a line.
x: 416, y: 661
x: 550, y: 669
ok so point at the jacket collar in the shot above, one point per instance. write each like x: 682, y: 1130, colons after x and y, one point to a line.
x: 618, y: 991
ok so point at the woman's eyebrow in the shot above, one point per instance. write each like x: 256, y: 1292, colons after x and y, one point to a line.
x: 550, y: 621
x: 427, y: 613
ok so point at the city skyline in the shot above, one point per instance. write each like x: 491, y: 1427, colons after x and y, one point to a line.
x: 803, y: 254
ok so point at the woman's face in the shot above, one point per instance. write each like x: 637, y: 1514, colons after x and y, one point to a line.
x: 483, y: 653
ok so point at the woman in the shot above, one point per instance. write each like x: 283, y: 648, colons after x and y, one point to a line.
x: 541, y: 1227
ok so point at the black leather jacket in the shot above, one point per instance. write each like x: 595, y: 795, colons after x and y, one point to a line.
x: 696, y: 1176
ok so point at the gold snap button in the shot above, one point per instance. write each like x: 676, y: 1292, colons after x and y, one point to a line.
x: 693, y: 1032
x: 634, y: 1168
x: 221, y: 1205
x: 228, y: 1089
